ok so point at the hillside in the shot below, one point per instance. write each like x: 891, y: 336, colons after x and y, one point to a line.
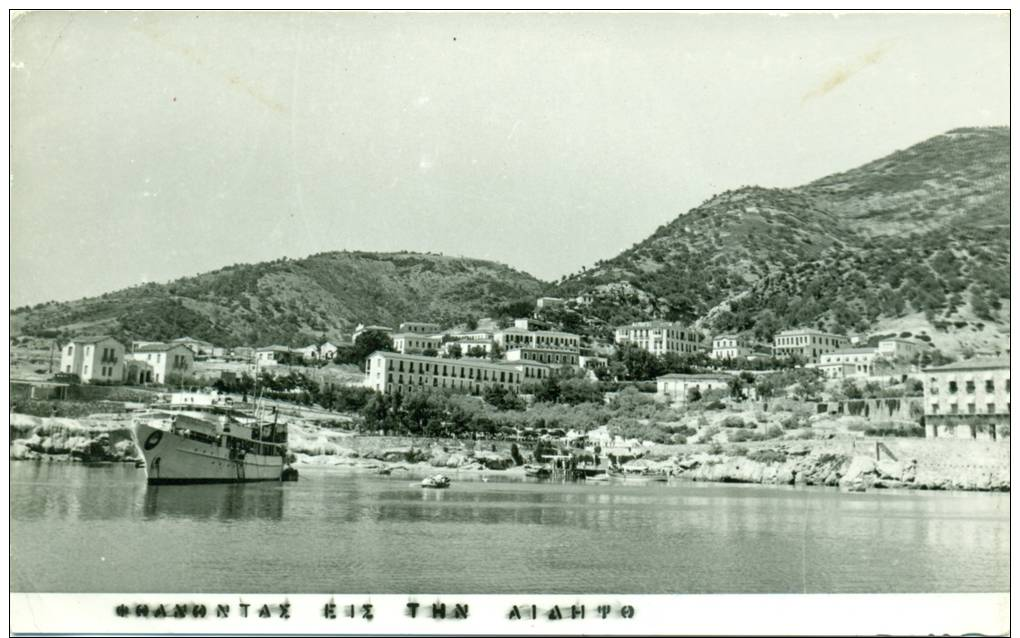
x: 923, y: 230
x: 291, y: 301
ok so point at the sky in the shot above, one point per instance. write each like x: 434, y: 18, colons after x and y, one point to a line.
x: 147, y: 146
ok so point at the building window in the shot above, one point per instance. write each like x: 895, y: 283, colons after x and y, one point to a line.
x: 989, y: 385
x: 991, y: 408
x: 952, y: 387
x: 970, y: 387
x: 970, y: 408
x: 953, y: 409
x: 934, y: 408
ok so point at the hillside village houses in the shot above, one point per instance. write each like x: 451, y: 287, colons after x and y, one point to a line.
x: 967, y: 399
x: 98, y: 358
x: 160, y: 362
x: 659, y: 337
x: 807, y: 343
x: 848, y: 362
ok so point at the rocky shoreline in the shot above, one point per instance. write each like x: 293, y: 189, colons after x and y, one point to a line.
x: 107, y: 438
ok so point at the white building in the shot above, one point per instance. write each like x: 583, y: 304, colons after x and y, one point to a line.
x: 526, y: 323
x: 162, y: 362
x: 419, y: 327
x: 835, y: 364
x: 807, y: 343
x: 549, y: 302
x: 392, y: 372
x: 564, y: 357
x: 272, y: 355
x: 674, y: 388
x: 416, y: 343
x: 730, y: 347
x: 94, y: 359
x: 518, y: 338
x: 328, y: 350
x: 903, y: 349
x: 308, y: 352
x: 659, y: 337
x: 967, y: 399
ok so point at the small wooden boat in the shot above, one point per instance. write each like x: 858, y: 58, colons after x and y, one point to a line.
x: 437, y: 481
x: 537, y: 471
x: 597, y: 477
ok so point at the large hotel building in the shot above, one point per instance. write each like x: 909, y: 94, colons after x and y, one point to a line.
x: 392, y: 372
x: 659, y: 337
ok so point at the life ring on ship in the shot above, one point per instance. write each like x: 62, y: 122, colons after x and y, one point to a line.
x: 153, y: 439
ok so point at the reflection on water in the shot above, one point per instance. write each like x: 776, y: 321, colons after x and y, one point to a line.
x: 222, y: 502
x: 97, y: 529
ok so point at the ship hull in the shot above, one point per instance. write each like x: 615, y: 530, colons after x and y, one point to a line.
x: 173, y: 459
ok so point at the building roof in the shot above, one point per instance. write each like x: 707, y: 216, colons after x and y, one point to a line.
x: 514, y: 330
x: 273, y: 349
x: 979, y: 363
x: 901, y: 340
x: 653, y: 324
x: 190, y: 340
x: 92, y: 339
x: 809, y: 331
x: 160, y: 347
x: 706, y: 375
x: 415, y: 335
x: 852, y: 351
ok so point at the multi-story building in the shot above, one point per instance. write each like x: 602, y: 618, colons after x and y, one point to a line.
x: 363, y: 328
x: 675, y: 388
x: 967, y: 399
x: 94, y: 359
x: 730, y: 347
x: 807, y: 343
x: 857, y: 362
x: 392, y: 372
x: 162, y: 362
x: 517, y: 338
x: 897, y: 348
x: 565, y: 357
x: 419, y: 328
x: 659, y: 337
x: 416, y: 343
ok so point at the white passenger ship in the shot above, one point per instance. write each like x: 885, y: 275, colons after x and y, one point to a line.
x: 199, y: 438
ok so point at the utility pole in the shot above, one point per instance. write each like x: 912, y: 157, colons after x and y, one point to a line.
x: 53, y: 345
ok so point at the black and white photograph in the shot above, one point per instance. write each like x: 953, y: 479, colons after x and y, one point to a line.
x: 457, y: 321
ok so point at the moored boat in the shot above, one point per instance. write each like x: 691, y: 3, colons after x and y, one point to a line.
x: 198, y: 438
x: 537, y: 471
x: 436, y: 481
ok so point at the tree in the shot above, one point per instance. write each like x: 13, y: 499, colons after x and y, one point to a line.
x: 455, y: 351
x: 476, y: 351
x: 850, y: 390
x: 496, y: 353
x: 368, y: 342
x: 430, y: 352
x: 693, y: 395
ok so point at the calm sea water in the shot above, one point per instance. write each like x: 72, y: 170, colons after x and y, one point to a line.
x: 100, y: 529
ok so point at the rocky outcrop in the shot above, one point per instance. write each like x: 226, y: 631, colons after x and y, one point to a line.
x: 99, y: 438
